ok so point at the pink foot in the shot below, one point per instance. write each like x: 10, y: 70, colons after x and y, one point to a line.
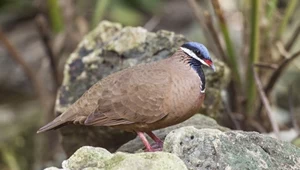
x: 145, y: 141
x: 158, y: 143
x: 151, y: 148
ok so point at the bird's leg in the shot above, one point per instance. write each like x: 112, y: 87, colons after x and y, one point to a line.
x: 156, y: 139
x: 145, y: 141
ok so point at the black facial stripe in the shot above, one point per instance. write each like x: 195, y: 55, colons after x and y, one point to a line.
x: 196, y: 65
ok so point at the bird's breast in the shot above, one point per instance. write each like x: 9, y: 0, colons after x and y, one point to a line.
x: 186, y: 97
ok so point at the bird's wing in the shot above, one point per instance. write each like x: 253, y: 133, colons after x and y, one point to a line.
x: 137, y: 96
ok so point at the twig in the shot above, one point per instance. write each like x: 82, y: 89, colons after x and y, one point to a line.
x: 283, y: 52
x: 257, y: 126
x: 276, y: 74
x: 292, y: 111
x: 266, y: 65
x: 201, y: 20
x: 266, y: 103
x: 229, y: 46
x: 28, y: 71
x: 231, y: 117
x: 213, y: 31
x: 44, y: 35
x: 293, y: 39
x: 152, y: 23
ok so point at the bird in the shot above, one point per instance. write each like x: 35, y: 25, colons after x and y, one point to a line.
x: 144, y: 97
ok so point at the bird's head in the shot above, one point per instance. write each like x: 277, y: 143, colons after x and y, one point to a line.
x: 199, y: 52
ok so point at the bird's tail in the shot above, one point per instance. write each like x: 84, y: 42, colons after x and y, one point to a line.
x: 56, y: 123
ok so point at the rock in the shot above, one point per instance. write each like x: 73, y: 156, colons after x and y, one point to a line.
x: 198, y: 121
x: 91, y: 158
x: 53, y: 168
x: 87, y: 157
x: 235, y: 150
x: 110, y: 48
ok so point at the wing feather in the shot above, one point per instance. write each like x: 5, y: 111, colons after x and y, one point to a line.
x: 137, y: 96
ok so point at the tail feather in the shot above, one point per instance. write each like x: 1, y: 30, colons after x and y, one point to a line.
x: 57, y: 122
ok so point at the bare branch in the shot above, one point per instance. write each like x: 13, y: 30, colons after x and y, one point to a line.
x: 292, y: 111
x: 214, y: 33
x: 231, y: 116
x: 152, y: 23
x: 257, y: 126
x: 276, y: 74
x: 38, y: 86
x: 266, y: 103
x: 44, y: 35
x: 293, y: 39
x: 266, y: 65
x: 283, y: 52
x: 200, y: 18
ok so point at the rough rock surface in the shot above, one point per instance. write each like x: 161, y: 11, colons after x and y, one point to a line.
x: 235, y: 150
x: 198, y: 121
x: 110, y: 48
x: 203, y: 146
x: 89, y: 158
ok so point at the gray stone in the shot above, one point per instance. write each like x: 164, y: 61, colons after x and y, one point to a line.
x: 53, y: 168
x: 110, y: 48
x: 213, y: 149
x: 198, y: 121
x: 87, y: 156
x: 92, y: 158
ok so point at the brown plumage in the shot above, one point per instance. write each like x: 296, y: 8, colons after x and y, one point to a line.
x: 141, y: 98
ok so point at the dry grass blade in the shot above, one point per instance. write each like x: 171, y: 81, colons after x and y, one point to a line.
x: 44, y: 35
x: 214, y: 33
x: 200, y: 18
x: 257, y: 126
x: 266, y: 65
x: 292, y: 111
x: 27, y: 69
x: 281, y: 49
x: 293, y: 39
x: 266, y: 103
x: 152, y: 23
x: 231, y: 116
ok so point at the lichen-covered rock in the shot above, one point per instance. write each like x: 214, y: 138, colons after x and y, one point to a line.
x: 87, y: 156
x: 92, y: 158
x: 110, y: 48
x: 198, y: 121
x: 234, y: 150
x: 52, y: 168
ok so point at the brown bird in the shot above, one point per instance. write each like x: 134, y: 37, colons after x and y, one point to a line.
x: 145, y: 97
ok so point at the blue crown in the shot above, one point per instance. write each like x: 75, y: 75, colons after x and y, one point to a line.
x: 199, y: 49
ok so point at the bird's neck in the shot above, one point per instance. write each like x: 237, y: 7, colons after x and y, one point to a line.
x: 195, y: 64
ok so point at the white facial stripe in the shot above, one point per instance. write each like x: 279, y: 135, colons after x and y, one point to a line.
x: 192, y: 54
